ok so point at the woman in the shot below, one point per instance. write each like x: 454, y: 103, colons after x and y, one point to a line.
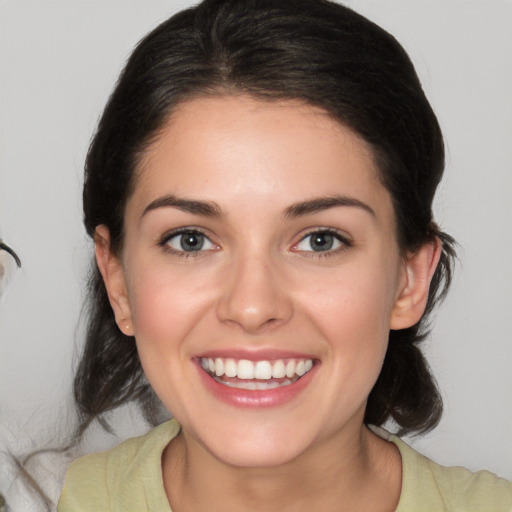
x: 260, y: 195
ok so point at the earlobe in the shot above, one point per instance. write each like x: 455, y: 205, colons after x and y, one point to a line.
x: 413, y: 293
x: 111, y: 270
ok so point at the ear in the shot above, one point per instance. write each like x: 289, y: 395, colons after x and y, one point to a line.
x: 419, y: 267
x: 112, y: 272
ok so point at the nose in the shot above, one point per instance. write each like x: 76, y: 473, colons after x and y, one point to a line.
x: 255, y: 297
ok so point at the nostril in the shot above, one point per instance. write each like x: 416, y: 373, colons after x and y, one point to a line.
x: 253, y: 298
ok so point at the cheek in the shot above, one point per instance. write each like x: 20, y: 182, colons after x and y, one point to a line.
x: 167, y: 302
x: 359, y: 300
x: 352, y: 310
x: 166, y: 305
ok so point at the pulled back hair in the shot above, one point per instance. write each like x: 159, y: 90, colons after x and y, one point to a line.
x: 316, y: 51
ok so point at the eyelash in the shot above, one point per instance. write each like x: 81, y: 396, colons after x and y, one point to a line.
x: 164, y: 242
x: 344, y: 242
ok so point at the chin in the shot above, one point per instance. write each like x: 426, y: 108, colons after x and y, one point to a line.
x: 251, y: 455
x: 255, y: 446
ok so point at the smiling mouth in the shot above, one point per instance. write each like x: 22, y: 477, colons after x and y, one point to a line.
x: 256, y: 375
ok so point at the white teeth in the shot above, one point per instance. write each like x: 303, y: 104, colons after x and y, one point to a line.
x: 278, y: 369
x: 263, y: 370
x: 219, y: 367
x: 230, y: 368
x: 245, y: 369
x: 252, y: 385
x: 268, y: 385
x: 260, y: 370
x: 290, y: 368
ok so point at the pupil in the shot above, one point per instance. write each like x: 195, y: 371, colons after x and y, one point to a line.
x: 322, y: 242
x: 191, y: 242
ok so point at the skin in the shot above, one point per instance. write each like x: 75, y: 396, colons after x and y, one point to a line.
x: 258, y: 285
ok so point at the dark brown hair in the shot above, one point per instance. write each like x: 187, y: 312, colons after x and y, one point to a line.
x: 313, y: 50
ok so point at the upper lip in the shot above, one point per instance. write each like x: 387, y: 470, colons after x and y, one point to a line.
x: 260, y: 354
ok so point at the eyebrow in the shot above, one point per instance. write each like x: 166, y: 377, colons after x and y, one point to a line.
x: 299, y: 209
x: 204, y: 208
x: 324, y: 203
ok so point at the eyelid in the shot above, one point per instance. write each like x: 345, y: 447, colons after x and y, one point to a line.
x: 163, y: 241
x: 345, y: 241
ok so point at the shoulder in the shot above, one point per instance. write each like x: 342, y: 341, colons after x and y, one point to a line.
x: 124, y: 474
x: 427, y: 485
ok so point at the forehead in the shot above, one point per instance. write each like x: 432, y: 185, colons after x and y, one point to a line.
x: 230, y: 147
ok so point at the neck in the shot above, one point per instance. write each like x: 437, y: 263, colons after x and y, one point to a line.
x: 356, y: 472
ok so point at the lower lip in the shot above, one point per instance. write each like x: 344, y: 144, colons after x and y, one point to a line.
x: 259, y: 398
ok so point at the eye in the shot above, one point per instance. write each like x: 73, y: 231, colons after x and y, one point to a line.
x: 322, y: 241
x: 188, y: 241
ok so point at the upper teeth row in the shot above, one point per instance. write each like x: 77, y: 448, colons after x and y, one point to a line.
x: 245, y: 369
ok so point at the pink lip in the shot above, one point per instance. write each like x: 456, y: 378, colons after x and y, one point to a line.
x: 245, y: 398
x: 255, y: 355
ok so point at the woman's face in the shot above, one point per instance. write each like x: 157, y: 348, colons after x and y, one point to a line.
x: 260, y: 275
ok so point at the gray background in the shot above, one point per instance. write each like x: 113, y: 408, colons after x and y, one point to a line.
x: 58, y: 63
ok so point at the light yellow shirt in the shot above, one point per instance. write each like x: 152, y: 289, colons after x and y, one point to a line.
x: 128, y: 478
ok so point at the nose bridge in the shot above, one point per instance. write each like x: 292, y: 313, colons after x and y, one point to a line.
x: 253, y: 295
